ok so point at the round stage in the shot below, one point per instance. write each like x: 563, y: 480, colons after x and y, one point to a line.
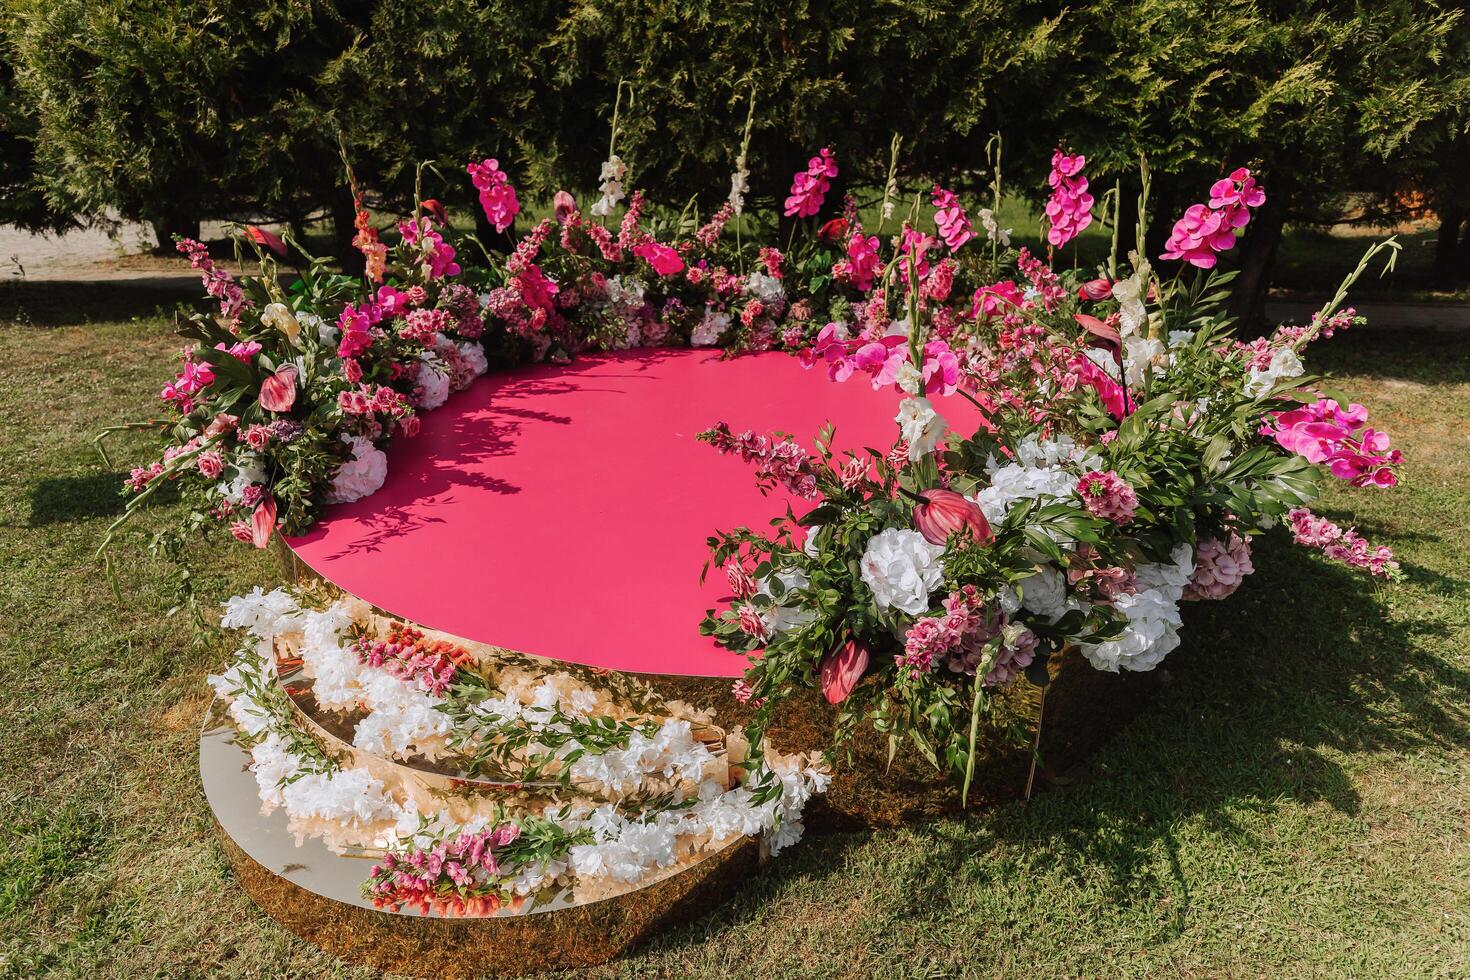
x: 564, y: 511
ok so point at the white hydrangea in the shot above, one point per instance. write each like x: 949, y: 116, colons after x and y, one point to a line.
x: 433, y: 385
x: 474, y: 355
x: 1284, y: 365
x: 901, y: 569
x: 920, y: 426
x: 359, y: 476
x: 1045, y: 593
x: 767, y: 289
x: 1152, y: 629
x: 708, y: 331
x: 1041, y: 468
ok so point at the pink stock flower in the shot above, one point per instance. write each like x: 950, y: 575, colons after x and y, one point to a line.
x: 841, y: 669
x: 497, y: 195
x: 1220, y: 567
x: 664, y: 260
x: 949, y: 216
x: 1339, y: 544
x: 1106, y: 495
x: 809, y: 187
x: 1069, y: 209
x: 1208, y: 229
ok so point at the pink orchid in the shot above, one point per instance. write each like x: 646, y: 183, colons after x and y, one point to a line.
x: 497, y: 195
x: 809, y: 187
x: 954, y: 226
x: 1069, y: 209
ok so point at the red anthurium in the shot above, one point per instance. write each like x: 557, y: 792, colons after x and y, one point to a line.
x: 834, y: 230
x: 263, y: 521
x: 278, y: 392
x: 1101, y: 334
x: 842, y: 669
x: 941, y: 513
x: 435, y: 210
x: 1095, y: 289
x: 266, y: 239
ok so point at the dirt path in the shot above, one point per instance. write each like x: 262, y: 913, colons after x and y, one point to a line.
x: 91, y: 255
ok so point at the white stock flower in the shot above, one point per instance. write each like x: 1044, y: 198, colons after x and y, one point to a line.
x: 901, y: 569
x: 920, y: 426
x: 359, y: 476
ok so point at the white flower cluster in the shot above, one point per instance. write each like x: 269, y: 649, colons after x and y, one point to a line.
x: 614, y: 173
x: 433, y: 384
x: 361, y: 475
x: 921, y: 426
x: 1152, y: 630
x: 901, y: 569
x: 1284, y: 365
x: 707, y: 332
x: 767, y: 289
x: 1042, y: 468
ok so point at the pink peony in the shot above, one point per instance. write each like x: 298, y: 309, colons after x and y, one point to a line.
x: 1220, y: 567
x: 1107, y: 496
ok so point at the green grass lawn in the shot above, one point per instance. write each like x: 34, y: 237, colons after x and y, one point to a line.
x: 1295, y: 802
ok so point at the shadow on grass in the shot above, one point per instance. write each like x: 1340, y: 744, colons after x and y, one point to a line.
x: 1268, y: 687
x: 76, y: 498
x: 61, y: 304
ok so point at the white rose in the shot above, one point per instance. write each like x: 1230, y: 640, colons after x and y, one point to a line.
x: 901, y: 569
x: 921, y: 426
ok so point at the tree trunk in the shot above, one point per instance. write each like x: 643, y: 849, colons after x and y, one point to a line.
x: 343, y: 231
x: 1448, y: 251
x: 1258, y: 255
x: 166, y: 227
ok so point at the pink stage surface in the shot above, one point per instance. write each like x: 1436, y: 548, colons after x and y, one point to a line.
x: 564, y: 511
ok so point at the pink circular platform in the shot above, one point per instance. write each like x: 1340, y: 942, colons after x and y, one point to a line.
x: 564, y: 511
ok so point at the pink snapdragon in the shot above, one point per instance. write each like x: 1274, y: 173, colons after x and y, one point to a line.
x: 457, y: 877
x: 1205, y: 230
x: 809, y: 187
x: 949, y: 216
x: 1327, y: 434
x: 1069, y: 209
x: 1341, y: 544
x: 497, y: 194
x: 1106, y: 495
x: 217, y: 282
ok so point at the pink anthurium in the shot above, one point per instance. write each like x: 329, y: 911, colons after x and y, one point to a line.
x: 278, y: 392
x: 1101, y: 334
x: 266, y: 239
x: 263, y: 521
x: 842, y: 669
x: 940, y: 513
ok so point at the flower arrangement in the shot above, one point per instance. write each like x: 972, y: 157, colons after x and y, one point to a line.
x: 1127, y: 450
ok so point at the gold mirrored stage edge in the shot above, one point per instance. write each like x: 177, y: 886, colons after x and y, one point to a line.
x: 317, y: 894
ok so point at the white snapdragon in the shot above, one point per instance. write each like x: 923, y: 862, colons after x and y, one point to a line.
x: 614, y: 173
x: 920, y: 426
x: 901, y: 569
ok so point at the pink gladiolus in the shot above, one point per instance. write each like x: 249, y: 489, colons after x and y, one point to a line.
x: 263, y: 521
x: 1069, y: 210
x: 954, y: 226
x: 266, y: 239
x: 809, y: 187
x: 942, y: 513
x: 278, y: 392
x: 497, y: 195
x: 842, y: 669
x: 664, y: 260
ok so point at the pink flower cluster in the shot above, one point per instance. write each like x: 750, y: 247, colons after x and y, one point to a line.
x: 661, y: 258
x: 1069, y: 210
x: 437, y: 255
x: 1341, y: 544
x: 408, y: 656
x: 809, y: 187
x: 1220, y: 567
x: 958, y: 639
x: 191, y: 379
x: 1043, y: 279
x: 881, y: 360
x: 778, y: 462
x: 1106, y: 495
x: 1208, y: 229
x: 497, y: 194
x: 949, y: 216
x: 446, y: 877
x: 364, y: 400
x: 1337, y: 437
x: 862, y: 264
x: 217, y: 282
